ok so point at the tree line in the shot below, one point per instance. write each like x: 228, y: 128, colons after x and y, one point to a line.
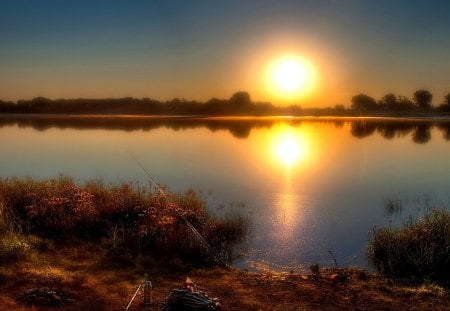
x: 239, y: 103
x: 420, y: 102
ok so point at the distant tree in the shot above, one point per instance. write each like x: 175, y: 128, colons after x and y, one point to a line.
x: 404, y: 103
x: 7, y: 106
x: 363, y: 103
x: 422, y: 99
x: 388, y: 102
x: 292, y: 110
x: 339, y: 109
x: 216, y: 106
x: 241, y: 98
x: 445, y: 106
x: 240, y: 103
x: 447, y: 99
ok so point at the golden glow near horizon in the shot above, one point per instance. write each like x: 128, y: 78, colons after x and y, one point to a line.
x: 291, y: 77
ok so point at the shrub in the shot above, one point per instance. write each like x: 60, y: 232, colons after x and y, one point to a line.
x: 143, y: 220
x: 13, y: 247
x: 420, y: 249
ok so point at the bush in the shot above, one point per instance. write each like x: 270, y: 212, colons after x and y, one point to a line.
x: 13, y: 247
x: 145, y: 221
x: 420, y: 249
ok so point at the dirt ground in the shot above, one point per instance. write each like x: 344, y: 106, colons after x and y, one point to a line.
x: 77, y: 278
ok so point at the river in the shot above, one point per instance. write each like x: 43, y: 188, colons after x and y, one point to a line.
x: 313, y: 187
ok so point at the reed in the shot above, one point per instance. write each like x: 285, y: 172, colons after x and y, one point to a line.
x: 128, y: 219
x: 420, y: 249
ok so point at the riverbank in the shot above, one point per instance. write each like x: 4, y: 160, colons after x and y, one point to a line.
x: 82, y: 279
x: 66, y: 246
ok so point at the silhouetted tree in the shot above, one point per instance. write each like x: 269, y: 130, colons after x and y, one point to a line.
x: 7, y: 107
x: 339, y: 109
x: 447, y: 99
x: 404, y: 103
x: 388, y: 102
x: 363, y: 103
x: 240, y: 103
x: 41, y: 104
x: 422, y: 99
x: 241, y: 98
x: 445, y: 106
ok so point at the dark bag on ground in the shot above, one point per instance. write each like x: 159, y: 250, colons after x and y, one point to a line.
x: 184, y: 300
x: 189, y: 298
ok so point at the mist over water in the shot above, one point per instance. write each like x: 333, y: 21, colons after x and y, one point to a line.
x: 310, y: 186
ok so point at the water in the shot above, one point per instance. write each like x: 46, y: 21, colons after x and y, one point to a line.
x: 310, y: 186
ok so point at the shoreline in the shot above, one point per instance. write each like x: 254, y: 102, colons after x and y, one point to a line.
x: 79, y: 277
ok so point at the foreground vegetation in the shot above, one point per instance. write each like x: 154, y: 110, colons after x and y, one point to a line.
x: 77, y: 274
x: 420, y: 249
x: 88, y: 247
x: 127, y: 220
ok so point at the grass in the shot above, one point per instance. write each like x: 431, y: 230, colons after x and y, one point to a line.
x: 393, y: 206
x: 127, y: 220
x: 420, y: 249
x: 46, y: 244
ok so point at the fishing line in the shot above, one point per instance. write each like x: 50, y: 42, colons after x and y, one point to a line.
x: 197, y: 234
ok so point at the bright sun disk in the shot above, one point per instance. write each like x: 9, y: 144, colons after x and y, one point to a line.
x: 291, y: 77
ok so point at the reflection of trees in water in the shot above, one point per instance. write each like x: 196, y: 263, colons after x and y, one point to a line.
x: 387, y: 129
x: 339, y: 124
x: 390, y: 130
x: 445, y: 128
x: 420, y: 131
x: 239, y: 128
x: 362, y: 129
x: 421, y: 134
x: 7, y: 122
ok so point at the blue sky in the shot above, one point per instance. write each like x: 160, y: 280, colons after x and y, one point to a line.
x: 203, y: 49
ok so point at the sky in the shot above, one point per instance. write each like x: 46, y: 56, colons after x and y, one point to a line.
x: 198, y: 50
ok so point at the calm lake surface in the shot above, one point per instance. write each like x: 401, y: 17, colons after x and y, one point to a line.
x: 310, y: 186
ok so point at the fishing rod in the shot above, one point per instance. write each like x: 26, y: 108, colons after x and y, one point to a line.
x: 147, y: 287
x: 197, y: 234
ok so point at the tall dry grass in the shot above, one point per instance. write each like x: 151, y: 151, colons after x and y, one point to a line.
x: 128, y: 219
x: 419, y: 249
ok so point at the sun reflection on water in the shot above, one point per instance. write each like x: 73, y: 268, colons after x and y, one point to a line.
x: 288, y: 216
x: 290, y: 149
x: 289, y: 146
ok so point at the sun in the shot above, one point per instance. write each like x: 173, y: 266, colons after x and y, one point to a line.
x: 290, y: 77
